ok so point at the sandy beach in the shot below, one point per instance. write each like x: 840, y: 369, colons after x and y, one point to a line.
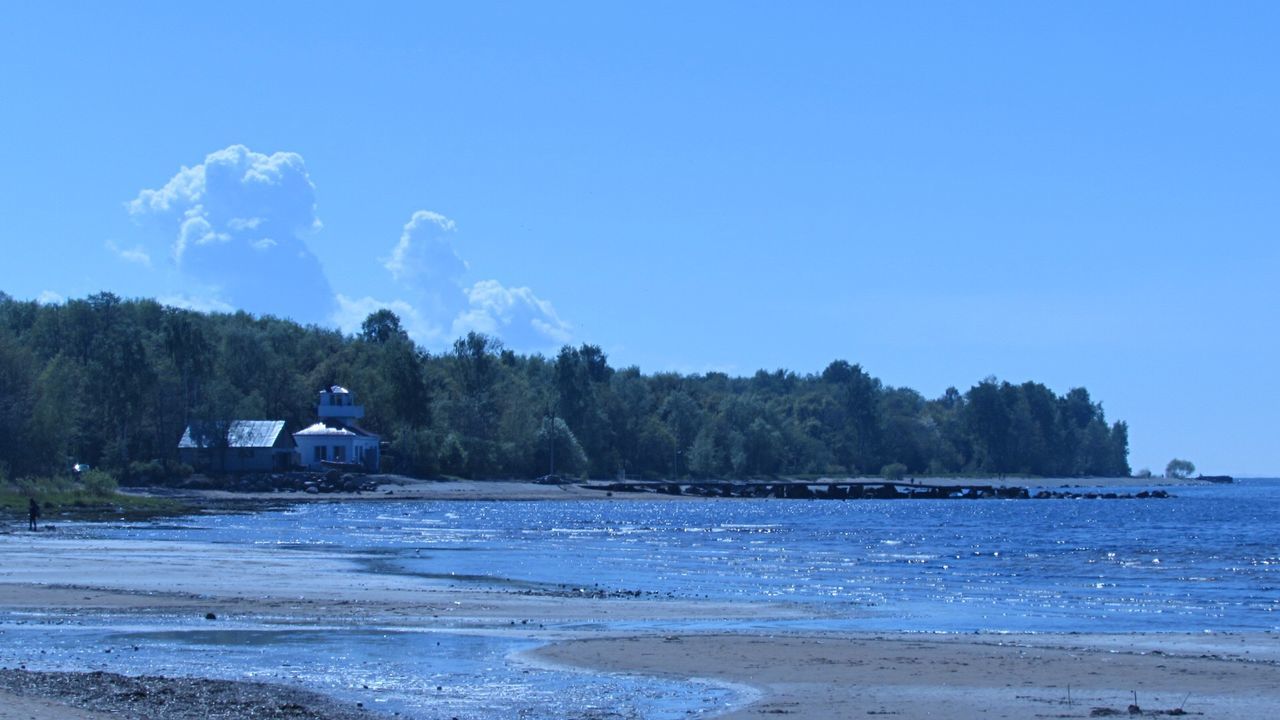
x: 800, y: 675
x: 913, y: 676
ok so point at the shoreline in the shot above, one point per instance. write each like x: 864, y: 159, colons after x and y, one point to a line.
x: 400, y: 488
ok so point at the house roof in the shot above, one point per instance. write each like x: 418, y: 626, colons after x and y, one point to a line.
x: 322, y: 429
x: 346, y: 429
x: 240, y: 434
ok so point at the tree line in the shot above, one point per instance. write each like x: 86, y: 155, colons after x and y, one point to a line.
x: 113, y: 383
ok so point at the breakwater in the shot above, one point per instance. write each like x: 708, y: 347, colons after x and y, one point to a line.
x: 860, y: 490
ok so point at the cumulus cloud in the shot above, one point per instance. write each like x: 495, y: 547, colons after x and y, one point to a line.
x: 49, y: 297
x: 517, y: 315
x: 239, y: 222
x: 434, y: 304
x: 137, y: 255
x: 425, y: 254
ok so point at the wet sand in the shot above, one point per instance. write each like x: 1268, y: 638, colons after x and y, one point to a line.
x: 32, y: 705
x: 928, y: 676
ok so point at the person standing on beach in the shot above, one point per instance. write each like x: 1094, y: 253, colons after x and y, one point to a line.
x: 33, y: 513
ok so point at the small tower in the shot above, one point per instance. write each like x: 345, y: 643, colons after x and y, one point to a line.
x: 337, y: 403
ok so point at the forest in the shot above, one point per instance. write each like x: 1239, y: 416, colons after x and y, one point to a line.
x: 113, y: 382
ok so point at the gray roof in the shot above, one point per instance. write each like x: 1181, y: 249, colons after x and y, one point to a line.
x: 240, y: 434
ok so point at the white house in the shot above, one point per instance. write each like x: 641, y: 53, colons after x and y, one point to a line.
x: 337, y: 438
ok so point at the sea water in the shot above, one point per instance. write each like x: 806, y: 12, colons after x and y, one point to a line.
x: 1207, y: 559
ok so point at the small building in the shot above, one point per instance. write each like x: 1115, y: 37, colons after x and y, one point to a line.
x: 337, y: 438
x: 237, y: 446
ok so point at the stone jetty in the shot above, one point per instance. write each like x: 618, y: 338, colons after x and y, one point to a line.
x: 858, y: 490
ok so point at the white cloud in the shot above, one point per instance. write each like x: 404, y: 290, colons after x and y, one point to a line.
x: 137, y: 255
x: 256, y: 176
x: 49, y: 297
x: 439, y: 307
x: 240, y: 222
x: 425, y: 252
x: 244, y: 223
x: 197, y: 303
x: 195, y: 230
x: 522, y: 319
x: 185, y: 187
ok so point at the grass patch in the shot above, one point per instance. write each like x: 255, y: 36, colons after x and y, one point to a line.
x: 94, y: 495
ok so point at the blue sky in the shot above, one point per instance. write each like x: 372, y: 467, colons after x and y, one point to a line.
x: 1080, y: 193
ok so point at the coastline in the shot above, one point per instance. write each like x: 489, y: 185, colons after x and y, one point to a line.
x: 398, y: 488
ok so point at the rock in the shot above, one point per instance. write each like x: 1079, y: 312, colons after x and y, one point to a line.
x: 210, y: 616
x: 886, y: 492
x: 799, y: 492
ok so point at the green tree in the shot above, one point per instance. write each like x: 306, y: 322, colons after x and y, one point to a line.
x: 474, y: 405
x: 1179, y: 468
x: 855, y: 426
x: 57, y: 423
x: 18, y: 369
x: 570, y: 458
x: 682, y: 417
x: 706, y: 457
x: 416, y: 451
x: 382, y: 326
x: 987, y: 423
x: 893, y: 471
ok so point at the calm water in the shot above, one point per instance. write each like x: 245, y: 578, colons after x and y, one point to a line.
x: 1206, y: 560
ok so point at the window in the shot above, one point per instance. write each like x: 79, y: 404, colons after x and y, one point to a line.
x: 339, y: 453
x: 322, y: 452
